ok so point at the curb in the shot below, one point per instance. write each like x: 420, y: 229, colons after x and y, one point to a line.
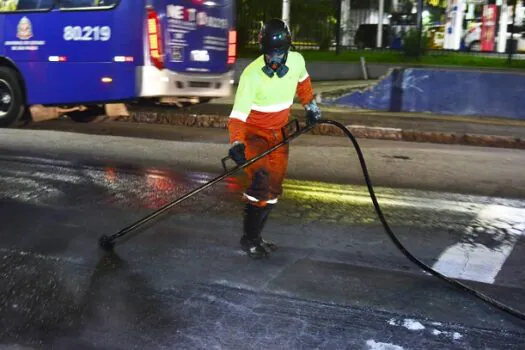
x: 335, y: 112
x: 168, y: 117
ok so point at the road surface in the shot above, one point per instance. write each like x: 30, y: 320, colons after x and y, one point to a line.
x: 337, y: 281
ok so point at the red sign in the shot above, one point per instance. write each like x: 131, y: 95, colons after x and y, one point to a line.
x: 488, y: 27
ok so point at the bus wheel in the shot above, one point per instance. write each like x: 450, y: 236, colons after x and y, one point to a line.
x: 11, y: 99
x: 86, y: 116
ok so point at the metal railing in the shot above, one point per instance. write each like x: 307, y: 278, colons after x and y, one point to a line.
x: 352, y: 25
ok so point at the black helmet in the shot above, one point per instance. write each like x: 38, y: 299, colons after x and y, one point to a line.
x: 275, y: 37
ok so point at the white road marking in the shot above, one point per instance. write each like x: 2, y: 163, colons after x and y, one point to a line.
x: 408, y: 323
x: 415, y: 325
x: 373, y: 345
x: 499, y: 228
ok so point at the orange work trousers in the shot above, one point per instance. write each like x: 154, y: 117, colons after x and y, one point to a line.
x: 265, y: 177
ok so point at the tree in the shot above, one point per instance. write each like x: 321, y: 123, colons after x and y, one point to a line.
x: 250, y: 14
x: 314, y: 21
x: 311, y: 20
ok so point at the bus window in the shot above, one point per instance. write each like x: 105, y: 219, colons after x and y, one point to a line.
x: 25, y: 5
x: 72, y: 4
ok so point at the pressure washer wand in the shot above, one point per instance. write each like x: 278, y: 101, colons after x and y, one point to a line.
x: 107, y: 242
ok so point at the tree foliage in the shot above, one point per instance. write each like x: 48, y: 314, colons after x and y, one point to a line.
x: 313, y: 20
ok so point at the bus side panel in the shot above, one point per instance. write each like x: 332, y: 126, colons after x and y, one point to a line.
x: 46, y: 84
x: 2, y: 47
x: 64, y: 56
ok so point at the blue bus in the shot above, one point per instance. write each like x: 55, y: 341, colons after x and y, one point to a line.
x: 94, y: 52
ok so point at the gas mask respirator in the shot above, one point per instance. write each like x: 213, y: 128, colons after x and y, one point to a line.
x: 275, y: 64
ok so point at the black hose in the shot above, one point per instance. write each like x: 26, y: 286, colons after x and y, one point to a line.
x: 107, y: 242
x: 400, y: 246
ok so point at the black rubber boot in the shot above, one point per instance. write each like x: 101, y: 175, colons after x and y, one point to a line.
x: 254, y: 248
x: 251, y: 241
x: 267, y: 244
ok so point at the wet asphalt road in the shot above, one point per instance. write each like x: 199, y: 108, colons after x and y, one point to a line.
x: 336, y: 283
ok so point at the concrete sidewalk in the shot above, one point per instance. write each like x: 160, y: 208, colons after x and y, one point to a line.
x: 418, y: 127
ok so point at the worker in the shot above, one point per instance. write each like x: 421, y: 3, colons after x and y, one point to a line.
x: 262, y: 105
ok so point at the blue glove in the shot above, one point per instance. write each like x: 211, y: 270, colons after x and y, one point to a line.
x: 313, y: 113
x: 236, y: 152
